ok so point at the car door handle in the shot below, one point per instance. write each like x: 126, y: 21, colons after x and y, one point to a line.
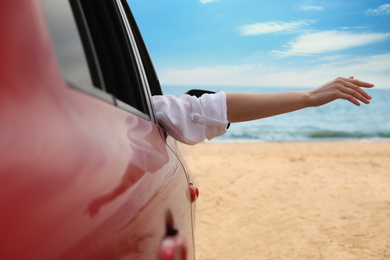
x: 173, y: 246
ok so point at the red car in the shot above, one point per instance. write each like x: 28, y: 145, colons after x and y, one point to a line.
x: 86, y: 172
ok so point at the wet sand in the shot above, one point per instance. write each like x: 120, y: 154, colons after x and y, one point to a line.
x: 293, y: 200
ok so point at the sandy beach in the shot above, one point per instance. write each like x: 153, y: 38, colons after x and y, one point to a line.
x: 292, y: 200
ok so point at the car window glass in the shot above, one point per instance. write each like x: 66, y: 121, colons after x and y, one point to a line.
x: 109, y: 50
x: 95, y: 53
x: 68, y: 46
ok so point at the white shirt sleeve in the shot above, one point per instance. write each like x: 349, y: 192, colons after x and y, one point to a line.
x: 191, y: 120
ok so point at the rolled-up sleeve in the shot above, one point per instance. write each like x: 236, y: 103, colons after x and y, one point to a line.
x: 191, y: 120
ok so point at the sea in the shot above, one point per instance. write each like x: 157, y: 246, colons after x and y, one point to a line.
x: 339, y: 120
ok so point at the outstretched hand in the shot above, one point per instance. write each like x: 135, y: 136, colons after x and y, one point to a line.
x: 341, y: 88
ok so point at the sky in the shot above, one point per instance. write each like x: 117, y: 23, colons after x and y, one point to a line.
x: 286, y: 43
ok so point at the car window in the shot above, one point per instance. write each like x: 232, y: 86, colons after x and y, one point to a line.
x: 67, y: 43
x: 97, y: 51
x: 150, y: 72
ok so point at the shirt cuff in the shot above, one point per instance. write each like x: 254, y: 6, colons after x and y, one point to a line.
x: 191, y: 120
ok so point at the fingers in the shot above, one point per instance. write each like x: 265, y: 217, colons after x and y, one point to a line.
x: 353, y: 97
x: 357, y: 93
x: 359, y: 83
x: 352, y: 90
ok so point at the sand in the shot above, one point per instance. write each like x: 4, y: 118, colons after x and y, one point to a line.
x: 298, y: 200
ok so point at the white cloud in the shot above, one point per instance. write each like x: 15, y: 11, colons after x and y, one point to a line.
x: 311, y: 8
x: 330, y: 41
x: 208, y: 1
x: 354, y: 28
x: 271, y: 27
x: 381, y: 10
x: 375, y: 69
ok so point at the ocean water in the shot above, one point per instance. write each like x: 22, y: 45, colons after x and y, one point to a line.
x: 339, y: 120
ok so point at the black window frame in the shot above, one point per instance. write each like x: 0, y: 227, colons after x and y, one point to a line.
x: 118, y: 62
x: 154, y: 83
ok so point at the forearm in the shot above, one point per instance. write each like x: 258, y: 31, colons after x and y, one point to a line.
x: 246, y: 107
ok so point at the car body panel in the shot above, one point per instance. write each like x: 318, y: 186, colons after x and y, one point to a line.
x: 80, y: 178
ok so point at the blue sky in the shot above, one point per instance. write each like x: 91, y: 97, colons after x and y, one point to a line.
x: 264, y: 42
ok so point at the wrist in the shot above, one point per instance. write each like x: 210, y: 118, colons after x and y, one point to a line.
x: 313, y: 99
x: 308, y: 99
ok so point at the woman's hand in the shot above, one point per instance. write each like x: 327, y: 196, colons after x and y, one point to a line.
x: 341, y: 88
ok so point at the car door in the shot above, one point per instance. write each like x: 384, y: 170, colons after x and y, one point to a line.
x: 86, y: 171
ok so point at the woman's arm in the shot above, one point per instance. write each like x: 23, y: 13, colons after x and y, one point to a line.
x: 245, y: 107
